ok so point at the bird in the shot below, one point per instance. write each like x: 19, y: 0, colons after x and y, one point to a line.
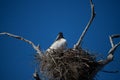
x: 60, y: 44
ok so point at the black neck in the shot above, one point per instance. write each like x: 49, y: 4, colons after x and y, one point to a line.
x: 60, y: 35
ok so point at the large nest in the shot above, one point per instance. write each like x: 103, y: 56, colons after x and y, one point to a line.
x: 72, y: 64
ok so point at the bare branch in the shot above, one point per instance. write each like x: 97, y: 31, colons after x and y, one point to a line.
x: 25, y: 40
x: 112, y: 50
x: 110, y: 71
x: 114, y: 47
x: 111, y: 41
x: 77, y: 45
x: 112, y: 37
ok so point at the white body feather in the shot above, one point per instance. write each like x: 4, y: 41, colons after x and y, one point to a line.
x: 60, y: 44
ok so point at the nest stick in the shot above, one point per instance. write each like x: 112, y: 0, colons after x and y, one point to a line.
x: 77, y: 45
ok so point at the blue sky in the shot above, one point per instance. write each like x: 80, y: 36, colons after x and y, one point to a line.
x: 41, y: 20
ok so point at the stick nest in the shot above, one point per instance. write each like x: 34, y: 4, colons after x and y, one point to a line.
x: 69, y: 65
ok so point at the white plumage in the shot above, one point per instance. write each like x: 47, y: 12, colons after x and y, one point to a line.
x: 59, y: 44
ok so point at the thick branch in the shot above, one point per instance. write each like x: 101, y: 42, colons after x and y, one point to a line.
x: 77, y: 45
x: 25, y: 40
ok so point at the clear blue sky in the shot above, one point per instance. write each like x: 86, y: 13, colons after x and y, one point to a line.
x: 41, y: 20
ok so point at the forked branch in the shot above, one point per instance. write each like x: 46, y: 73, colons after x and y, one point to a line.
x: 77, y: 45
x: 112, y: 50
x: 112, y: 37
x: 114, y: 47
x: 25, y: 40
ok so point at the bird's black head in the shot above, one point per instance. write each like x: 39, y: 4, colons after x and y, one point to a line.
x: 60, y: 35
